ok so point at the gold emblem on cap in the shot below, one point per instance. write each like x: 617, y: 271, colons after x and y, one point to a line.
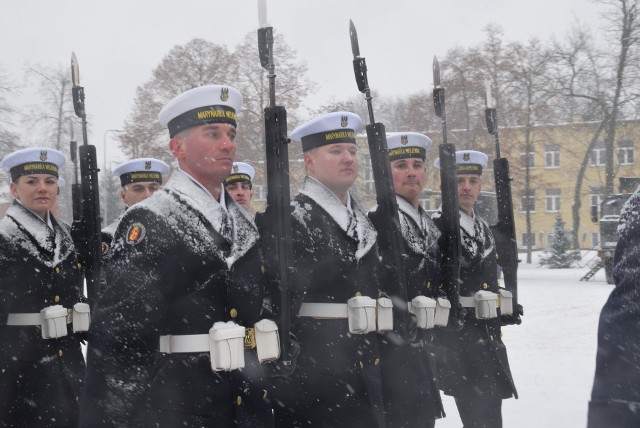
x: 404, y: 140
x: 224, y: 94
x: 466, y: 157
x: 147, y: 165
x: 235, y: 168
x: 344, y: 121
x: 43, y: 155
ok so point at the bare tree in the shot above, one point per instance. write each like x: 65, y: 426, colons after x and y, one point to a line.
x: 9, y: 141
x: 200, y: 62
x: 602, y: 83
x: 54, y: 110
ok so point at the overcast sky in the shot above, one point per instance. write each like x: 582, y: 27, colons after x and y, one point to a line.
x: 119, y: 42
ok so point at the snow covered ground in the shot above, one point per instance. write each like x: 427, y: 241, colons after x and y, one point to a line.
x: 552, y: 353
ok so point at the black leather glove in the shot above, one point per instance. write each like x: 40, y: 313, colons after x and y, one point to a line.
x: 278, y: 368
x: 513, y: 319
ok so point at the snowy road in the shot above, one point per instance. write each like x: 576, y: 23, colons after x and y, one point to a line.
x: 552, y: 354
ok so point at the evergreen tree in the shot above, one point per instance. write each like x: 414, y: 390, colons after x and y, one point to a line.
x: 560, y: 256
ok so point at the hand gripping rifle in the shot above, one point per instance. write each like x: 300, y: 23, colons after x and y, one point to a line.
x: 450, y: 239
x: 86, y: 200
x: 390, y: 239
x: 504, y: 230
x: 275, y: 223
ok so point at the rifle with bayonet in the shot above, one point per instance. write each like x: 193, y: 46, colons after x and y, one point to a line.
x: 275, y: 223
x: 390, y: 238
x: 450, y: 219
x: 504, y: 231
x: 85, y: 229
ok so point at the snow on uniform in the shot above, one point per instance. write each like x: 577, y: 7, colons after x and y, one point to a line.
x: 168, y: 273
x: 411, y: 394
x: 335, y: 368
x: 40, y: 379
x: 139, y: 170
x: 472, y: 362
x: 615, y: 398
x: 475, y: 357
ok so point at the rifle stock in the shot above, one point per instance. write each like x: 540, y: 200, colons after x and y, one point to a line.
x: 86, y: 199
x: 390, y: 238
x: 275, y: 223
x: 450, y: 219
x: 504, y: 230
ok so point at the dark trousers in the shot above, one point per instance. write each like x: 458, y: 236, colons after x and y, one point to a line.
x: 479, y: 411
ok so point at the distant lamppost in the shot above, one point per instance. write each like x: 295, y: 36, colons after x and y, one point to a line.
x: 104, y: 167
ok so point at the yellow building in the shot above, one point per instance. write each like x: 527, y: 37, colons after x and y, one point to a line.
x: 557, y: 152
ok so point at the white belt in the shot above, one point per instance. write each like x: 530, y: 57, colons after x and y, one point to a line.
x: 323, y: 310
x: 468, y: 302
x: 184, y: 343
x: 34, y: 318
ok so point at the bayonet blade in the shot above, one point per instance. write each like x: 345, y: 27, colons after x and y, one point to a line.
x: 355, y: 47
x: 436, y: 72
x: 262, y: 14
x: 75, y: 71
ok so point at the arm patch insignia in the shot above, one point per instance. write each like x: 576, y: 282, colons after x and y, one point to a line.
x: 135, y: 234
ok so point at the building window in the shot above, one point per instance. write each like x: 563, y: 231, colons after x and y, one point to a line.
x: 595, y: 196
x: 625, y: 152
x: 552, y: 200
x: 527, y: 158
x: 528, y: 202
x: 425, y: 203
x: 552, y: 156
x: 598, y: 155
x: 529, y: 238
x: 367, y: 175
x: 259, y: 192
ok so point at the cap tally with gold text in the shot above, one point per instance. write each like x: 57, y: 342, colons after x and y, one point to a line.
x: 141, y: 169
x: 33, y: 160
x: 468, y: 162
x: 240, y: 172
x: 403, y: 145
x: 331, y: 128
x: 202, y: 105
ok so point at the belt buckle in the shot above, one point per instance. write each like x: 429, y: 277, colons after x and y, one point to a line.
x: 250, y: 338
x: 69, y: 316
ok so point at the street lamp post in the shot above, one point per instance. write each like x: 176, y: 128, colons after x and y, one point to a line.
x: 104, y: 168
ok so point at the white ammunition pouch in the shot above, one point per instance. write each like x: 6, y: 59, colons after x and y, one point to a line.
x: 81, y: 315
x: 506, y: 302
x: 486, y: 304
x: 361, y: 313
x: 424, y: 308
x: 267, y: 340
x: 226, y: 346
x: 53, y: 322
x: 443, y: 307
x: 384, y: 314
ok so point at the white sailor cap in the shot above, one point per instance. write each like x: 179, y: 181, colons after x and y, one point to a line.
x: 468, y: 162
x: 197, y: 106
x: 404, y: 145
x: 240, y: 171
x: 141, y: 169
x: 331, y: 128
x: 33, y: 160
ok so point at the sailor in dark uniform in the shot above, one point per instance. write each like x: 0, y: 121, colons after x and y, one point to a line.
x: 336, y: 382
x: 615, y: 398
x: 472, y: 362
x: 167, y: 341
x: 239, y: 184
x: 139, y: 178
x: 411, y: 395
x: 42, y: 313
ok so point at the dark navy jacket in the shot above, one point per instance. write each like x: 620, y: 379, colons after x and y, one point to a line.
x: 615, y: 398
